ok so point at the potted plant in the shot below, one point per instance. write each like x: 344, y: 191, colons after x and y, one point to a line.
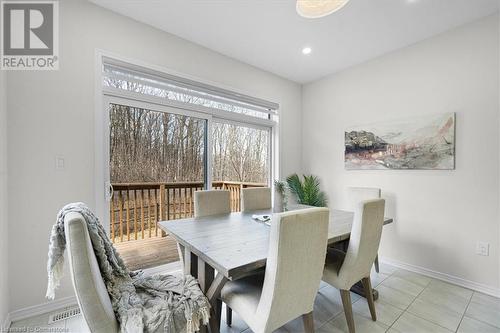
x: 281, y: 197
x: 307, y: 191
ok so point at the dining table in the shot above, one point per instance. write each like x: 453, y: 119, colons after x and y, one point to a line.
x: 225, y: 247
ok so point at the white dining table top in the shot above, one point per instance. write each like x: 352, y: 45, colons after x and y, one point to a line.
x: 236, y: 244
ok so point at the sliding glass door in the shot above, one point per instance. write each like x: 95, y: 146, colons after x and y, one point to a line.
x: 162, y: 138
x: 157, y: 159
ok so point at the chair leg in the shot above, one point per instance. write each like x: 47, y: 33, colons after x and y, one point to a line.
x: 308, y: 321
x: 229, y: 316
x: 346, y: 302
x: 377, y: 267
x: 367, y: 285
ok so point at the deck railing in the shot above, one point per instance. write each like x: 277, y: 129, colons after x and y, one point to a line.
x: 136, y: 208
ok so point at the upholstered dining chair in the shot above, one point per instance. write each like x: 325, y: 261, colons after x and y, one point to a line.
x: 255, y: 198
x: 343, y: 270
x: 288, y: 287
x: 206, y: 203
x: 212, y: 202
x: 359, y: 194
x: 89, y: 286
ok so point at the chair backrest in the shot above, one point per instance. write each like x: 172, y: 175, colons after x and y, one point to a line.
x: 295, y: 262
x: 212, y: 202
x: 255, y: 198
x: 364, y: 241
x: 91, y: 292
x: 360, y: 194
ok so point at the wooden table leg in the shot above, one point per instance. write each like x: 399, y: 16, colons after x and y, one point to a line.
x: 205, y: 278
x: 190, y: 263
x: 197, y: 268
x: 206, y: 275
x: 213, y: 295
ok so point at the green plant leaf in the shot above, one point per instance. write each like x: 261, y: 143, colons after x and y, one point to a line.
x: 308, y: 191
x: 295, y: 185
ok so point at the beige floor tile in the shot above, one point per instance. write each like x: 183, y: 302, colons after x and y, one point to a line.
x: 437, y: 314
x: 394, y: 297
x: 413, y: 277
x: 295, y: 326
x: 409, y: 323
x: 386, y: 269
x: 77, y: 325
x: 327, y: 305
x: 335, y: 293
x: 362, y: 324
x: 469, y: 325
x: 386, y: 313
x: 403, y: 285
x: 484, y: 313
x: 451, y: 288
x: 377, y: 278
x: 238, y: 325
x: 323, y: 284
x: 486, y: 300
x: 445, y: 298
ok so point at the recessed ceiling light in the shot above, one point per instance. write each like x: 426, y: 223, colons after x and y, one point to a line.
x: 306, y: 50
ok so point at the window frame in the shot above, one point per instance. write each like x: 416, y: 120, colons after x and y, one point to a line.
x: 106, y: 95
x: 110, y: 99
x: 270, y: 143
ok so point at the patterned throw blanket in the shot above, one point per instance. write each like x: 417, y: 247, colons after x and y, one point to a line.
x: 160, y: 303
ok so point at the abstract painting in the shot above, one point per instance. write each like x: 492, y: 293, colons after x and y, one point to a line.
x: 426, y: 142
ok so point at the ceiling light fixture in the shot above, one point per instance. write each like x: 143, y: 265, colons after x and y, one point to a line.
x: 306, y: 50
x: 319, y: 8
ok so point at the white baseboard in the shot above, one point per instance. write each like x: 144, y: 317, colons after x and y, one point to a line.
x: 482, y: 288
x: 39, y: 309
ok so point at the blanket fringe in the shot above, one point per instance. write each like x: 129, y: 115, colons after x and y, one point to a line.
x: 193, y: 324
x: 54, y: 278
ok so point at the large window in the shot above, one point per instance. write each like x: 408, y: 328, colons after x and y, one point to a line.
x: 240, y: 153
x: 151, y: 146
x: 168, y: 137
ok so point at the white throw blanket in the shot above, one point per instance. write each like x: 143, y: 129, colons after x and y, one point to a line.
x: 160, y: 303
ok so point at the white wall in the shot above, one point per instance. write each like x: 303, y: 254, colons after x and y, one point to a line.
x: 439, y: 214
x: 52, y: 113
x: 4, y: 291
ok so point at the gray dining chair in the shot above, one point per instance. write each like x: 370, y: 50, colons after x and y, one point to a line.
x: 206, y: 203
x: 288, y: 287
x: 91, y: 292
x: 255, y: 198
x: 344, y: 269
x: 360, y: 194
x: 212, y: 202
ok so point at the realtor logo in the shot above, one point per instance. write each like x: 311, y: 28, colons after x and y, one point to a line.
x: 29, y: 36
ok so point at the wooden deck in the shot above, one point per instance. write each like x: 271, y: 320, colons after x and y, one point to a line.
x: 149, y: 252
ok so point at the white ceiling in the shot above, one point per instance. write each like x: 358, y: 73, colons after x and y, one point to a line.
x: 270, y: 35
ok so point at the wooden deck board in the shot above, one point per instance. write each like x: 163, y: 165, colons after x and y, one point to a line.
x: 149, y: 252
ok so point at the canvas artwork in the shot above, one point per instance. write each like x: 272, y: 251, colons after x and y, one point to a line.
x: 426, y: 142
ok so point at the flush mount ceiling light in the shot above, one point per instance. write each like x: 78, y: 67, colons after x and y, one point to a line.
x: 306, y: 50
x: 319, y: 8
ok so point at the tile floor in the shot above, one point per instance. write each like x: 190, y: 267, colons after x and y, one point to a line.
x: 408, y: 302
